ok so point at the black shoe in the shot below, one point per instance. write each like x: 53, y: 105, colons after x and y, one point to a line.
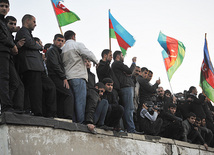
x: 136, y: 132
x: 104, y: 127
x: 18, y: 111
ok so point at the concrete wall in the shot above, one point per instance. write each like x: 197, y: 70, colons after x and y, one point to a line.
x: 34, y: 140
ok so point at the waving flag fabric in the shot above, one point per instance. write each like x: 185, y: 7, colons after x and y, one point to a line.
x: 207, y: 74
x: 116, y: 31
x: 64, y: 15
x: 173, y: 53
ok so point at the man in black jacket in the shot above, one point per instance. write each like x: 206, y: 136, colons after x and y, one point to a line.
x: 172, y: 125
x: 104, y: 70
x: 126, y: 94
x: 115, y: 111
x: 56, y: 72
x: 7, y: 47
x: 31, y: 65
x: 196, y: 105
x: 146, y: 90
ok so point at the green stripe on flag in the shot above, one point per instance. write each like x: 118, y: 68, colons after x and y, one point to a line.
x: 178, y: 61
x: 123, y: 51
x: 112, y: 33
x: 207, y: 89
x: 67, y: 18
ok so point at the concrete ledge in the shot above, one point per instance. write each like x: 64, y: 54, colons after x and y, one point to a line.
x: 23, y: 134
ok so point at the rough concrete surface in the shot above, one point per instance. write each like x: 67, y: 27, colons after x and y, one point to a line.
x: 32, y: 140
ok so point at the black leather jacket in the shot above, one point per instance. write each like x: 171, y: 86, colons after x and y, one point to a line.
x: 29, y: 56
x: 6, y: 40
x: 123, y: 73
x: 54, y: 62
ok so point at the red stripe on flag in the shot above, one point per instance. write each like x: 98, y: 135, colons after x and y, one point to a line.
x: 57, y: 10
x: 110, y: 24
x: 208, y: 74
x: 167, y: 63
x: 172, y: 45
x: 121, y: 42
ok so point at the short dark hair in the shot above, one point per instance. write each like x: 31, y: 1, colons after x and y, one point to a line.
x: 25, y: 17
x: 47, y: 46
x: 172, y: 105
x: 191, y: 89
x: 10, y: 18
x: 69, y: 34
x: 198, y: 119
x: 36, y: 39
x: 105, y: 51
x: 150, y: 71
x: 116, y: 53
x: 5, y: 1
x: 143, y: 69
x: 99, y: 85
x: 107, y: 80
x: 191, y: 114
x: 58, y: 36
x: 168, y: 91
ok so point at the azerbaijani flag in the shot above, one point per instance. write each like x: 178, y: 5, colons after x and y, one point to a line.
x: 116, y: 31
x: 207, y: 74
x: 64, y: 15
x: 173, y: 53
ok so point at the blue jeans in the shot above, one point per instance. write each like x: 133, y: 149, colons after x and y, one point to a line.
x: 79, y: 89
x: 100, y: 112
x: 126, y: 96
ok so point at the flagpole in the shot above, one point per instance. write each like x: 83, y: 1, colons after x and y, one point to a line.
x: 57, y: 18
x: 109, y: 32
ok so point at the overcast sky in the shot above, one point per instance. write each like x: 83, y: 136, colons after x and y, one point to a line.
x: 184, y: 20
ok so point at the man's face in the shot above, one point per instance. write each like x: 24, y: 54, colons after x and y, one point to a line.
x: 172, y: 110
x: 203, y: 122
x: 4, y: 9
x: 109, y: 56
x: 109, y: 87
x: 59, y: 42
x: 121, y: 57
x: 12, y: 25
x: 101, y: 91
x: 191, y: 119
x: 87, y: 63
x: 197, y: 123
x: 149, y: 76
x: 144, y: 74
x: 32, y: 23
x: 160, y: 92
x: 137, y: 71
x: 195, y: 91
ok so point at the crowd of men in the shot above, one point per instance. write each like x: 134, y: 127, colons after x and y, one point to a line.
x: 58, y: 83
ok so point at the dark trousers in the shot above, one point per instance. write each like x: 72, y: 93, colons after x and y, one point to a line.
x: 11, y: 87
x: 48, y: 96
x: 91, y: 104
x: 32, y: 81
x: 65, y: 99
x: 173, y: 130
x: 115, y: 113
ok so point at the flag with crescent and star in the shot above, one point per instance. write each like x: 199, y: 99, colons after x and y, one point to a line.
x: 207, y: 74
x: 173, y: 53
x: 63, y: 14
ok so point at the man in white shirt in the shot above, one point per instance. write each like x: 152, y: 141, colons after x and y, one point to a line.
x: 73, y: 54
